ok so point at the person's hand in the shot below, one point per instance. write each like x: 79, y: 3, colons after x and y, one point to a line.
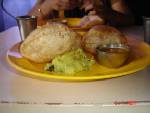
x: 96, y: 7
x: 87, y: 5
x: 113, y: 13
x: 46, y: 7
x: 50, y: 5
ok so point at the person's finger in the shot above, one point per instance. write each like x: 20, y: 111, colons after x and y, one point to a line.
x: 89, y: 7
x: 64, y: 5
x: 59, y: 5
x: 40, y: 1
x: 69, y: 4
x: 92, y: 13
x: 64, y: 1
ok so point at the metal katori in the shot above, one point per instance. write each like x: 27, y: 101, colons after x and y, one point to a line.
x: 26, y: 25
x: 112, y: 55
x: 146, y: 22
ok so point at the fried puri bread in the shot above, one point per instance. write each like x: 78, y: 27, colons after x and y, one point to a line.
x: 101, y: 35
x: 49, y: 41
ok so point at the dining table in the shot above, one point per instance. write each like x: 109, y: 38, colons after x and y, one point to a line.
x: 22, y: 94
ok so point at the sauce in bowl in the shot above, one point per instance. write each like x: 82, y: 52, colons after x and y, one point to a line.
x: 112, y: 57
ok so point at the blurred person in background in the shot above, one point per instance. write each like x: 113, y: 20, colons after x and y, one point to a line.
x: 9, y: 9
x: 113, y: 12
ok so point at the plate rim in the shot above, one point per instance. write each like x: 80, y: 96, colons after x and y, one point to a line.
x: 69, y: 78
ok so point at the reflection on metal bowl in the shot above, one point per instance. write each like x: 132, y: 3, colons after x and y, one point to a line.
x: 112, y: 55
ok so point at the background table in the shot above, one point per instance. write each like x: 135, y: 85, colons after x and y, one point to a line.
x: 20, y: 94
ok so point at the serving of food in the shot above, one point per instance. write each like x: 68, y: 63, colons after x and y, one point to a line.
x: 84, y: 23
x: 56, y: 51
x: 48, y: 41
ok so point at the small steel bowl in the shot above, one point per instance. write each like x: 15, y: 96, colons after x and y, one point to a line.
x: 112, y: 55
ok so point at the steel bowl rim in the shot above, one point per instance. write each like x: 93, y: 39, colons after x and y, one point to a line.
x: 121, y: 46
